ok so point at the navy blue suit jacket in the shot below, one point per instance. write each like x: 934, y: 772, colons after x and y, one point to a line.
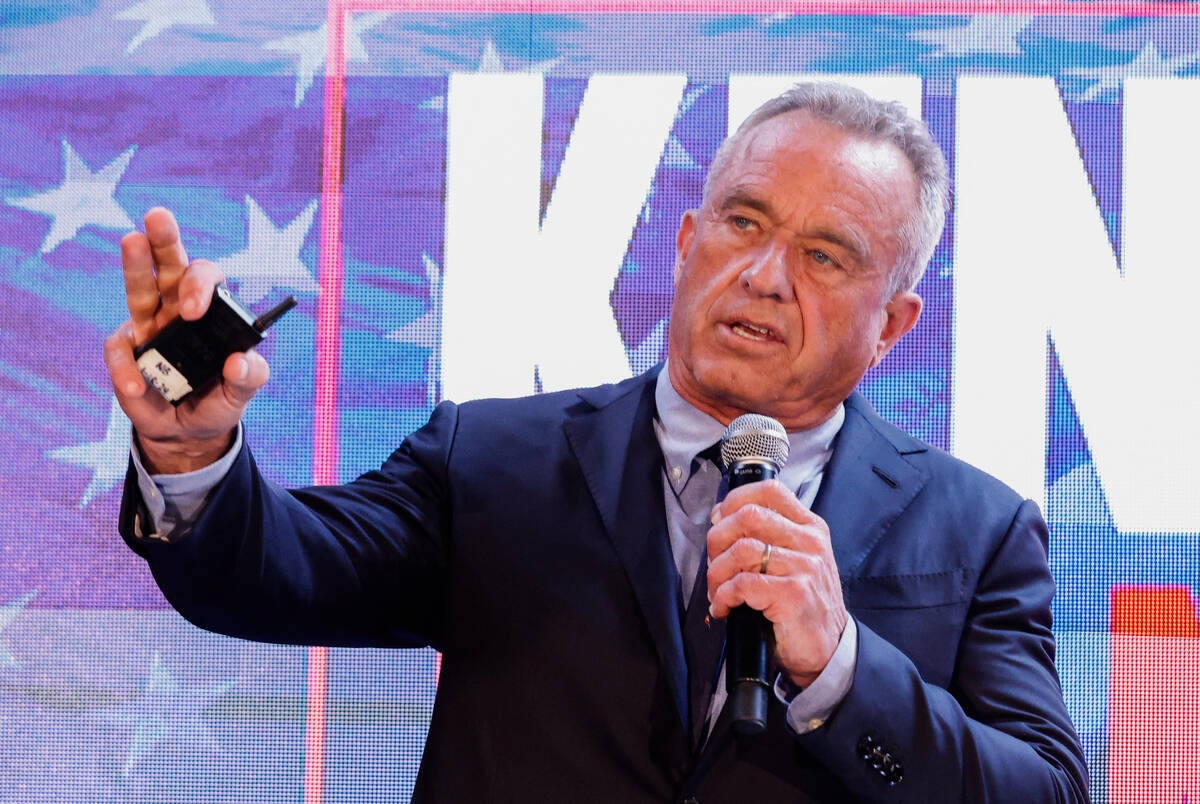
x: 526, y: 540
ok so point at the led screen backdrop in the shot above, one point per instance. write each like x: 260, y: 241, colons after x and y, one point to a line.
x: 482, y: 199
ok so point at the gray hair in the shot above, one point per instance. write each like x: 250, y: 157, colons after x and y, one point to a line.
x: 858, y: 113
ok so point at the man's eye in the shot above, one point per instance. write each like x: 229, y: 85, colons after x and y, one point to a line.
x: 822, y: 258
x: 741, y: 222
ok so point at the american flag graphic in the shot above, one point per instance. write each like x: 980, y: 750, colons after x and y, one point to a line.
x: 310, y: 149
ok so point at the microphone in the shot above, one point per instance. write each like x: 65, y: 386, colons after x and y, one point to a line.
x: 753, y: 448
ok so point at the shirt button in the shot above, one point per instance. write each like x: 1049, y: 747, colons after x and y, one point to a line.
x: 815, y: 723
x: 677, y: 472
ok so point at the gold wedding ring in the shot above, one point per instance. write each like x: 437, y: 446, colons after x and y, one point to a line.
x: 762, y: 568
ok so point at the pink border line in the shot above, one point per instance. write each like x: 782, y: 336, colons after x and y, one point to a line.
x: 328, y: 344
x: 325, y: 447
x: 314, y: 726
x: 328, y: 347
x: 1094, y: 8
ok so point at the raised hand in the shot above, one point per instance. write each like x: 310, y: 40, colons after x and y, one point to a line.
x: 160, y: 284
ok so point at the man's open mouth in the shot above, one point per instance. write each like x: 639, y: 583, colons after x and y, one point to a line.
x: 753, y: 331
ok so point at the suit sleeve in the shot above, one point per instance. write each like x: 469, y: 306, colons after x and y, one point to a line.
x: 1000, y: 733
x: 363, y: 564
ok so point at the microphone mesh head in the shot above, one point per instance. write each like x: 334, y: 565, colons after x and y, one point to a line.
x: 754, y: 437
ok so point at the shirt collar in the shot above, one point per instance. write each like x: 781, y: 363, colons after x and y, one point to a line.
x: 684, y: 431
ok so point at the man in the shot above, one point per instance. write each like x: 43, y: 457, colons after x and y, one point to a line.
x: 554, y: 548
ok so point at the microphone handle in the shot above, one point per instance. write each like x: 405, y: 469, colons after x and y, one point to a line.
x: 747, y: 635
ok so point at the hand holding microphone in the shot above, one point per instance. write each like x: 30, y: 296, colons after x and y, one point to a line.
x: 771, y: 571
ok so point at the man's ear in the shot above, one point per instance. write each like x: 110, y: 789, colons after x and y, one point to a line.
x: 902, y: 313
x: 683, y: 240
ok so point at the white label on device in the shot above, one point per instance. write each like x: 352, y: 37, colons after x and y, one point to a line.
x: 165, y: 378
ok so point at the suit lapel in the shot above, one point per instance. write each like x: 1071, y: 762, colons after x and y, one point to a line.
x: 866, y: 485
x: 621, y: 461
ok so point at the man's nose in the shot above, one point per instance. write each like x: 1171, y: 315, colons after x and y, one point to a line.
x: 768, y: 273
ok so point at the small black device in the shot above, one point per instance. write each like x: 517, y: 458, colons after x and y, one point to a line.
x: 187, y: 355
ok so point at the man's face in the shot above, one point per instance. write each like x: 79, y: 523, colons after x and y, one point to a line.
x: 782, y: 276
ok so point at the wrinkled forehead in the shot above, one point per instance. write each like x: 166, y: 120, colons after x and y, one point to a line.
x: 799, y: 137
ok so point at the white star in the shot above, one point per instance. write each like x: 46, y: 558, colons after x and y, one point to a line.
x: 164, y: 711
x: 83, y: 199
x: 689, y: 99
x: 648, y: 352
x: 313, y: 48
x: 1077, y: 500
x: 985, y: 34
x: 426, y: 329
x: 271, y: 257
x: 8, y: 613
x: 1148, y: 62
x: 107, y: 459
x: 490, y: 62
x: 677, y: 157
x: 159, y: 15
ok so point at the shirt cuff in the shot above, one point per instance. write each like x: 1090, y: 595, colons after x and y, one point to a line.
x: 170, y: 503
x: 810, y: 707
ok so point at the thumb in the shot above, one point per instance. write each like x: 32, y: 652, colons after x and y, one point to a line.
x: 244, y: 373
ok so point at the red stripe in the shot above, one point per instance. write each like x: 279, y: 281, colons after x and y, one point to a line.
x: 328, y: 345
x: 1153, y: 695
x: 1084, y: 8
x: 325, y: 446
x: 314, y: 727
x: 1161, y: 611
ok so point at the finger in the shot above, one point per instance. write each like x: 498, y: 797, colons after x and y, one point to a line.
x: 141, y: 287
x: 122, y: 367
x: 752, y: 589
x: 778, y: 597
x: 755, y: 522
x: 196, y: 288
x: 771, y: 494
x: 170, y: 258
x: 747, y: 555
x: 244, y: 373
x: 744, y: 555
x: 781, y: 563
